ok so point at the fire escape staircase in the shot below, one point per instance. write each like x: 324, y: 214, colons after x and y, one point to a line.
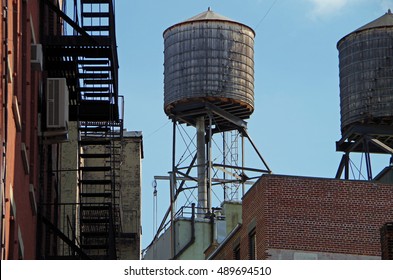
x: 99, y: 160
x: 88, y: 60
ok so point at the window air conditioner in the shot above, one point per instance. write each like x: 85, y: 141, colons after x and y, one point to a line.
x: 57, y: 103
x: 36, y: 56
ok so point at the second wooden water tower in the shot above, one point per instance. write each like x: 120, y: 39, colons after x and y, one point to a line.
x: 366, y: 93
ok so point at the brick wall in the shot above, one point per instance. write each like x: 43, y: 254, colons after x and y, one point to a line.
x: 18, y: 130
x: 314, y: 214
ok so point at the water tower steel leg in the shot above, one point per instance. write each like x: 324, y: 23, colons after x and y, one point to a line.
x: 224, y: 162
x: 209, y: 168
x: 368, y: 158
x: 243, y: 160
x: 201, y: 163
x: 172, y: 190
x: 346, y: 166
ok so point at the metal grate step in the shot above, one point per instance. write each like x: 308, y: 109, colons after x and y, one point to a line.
x: 93, y: 61
x: 94, y: 129
x: 97, y: 95
x: 96, y: 182
x: 95, y: 168
x: 95, y: 14
x: 94, y: 89
x: 95, y: 1
x: 98, y: 82
x: 96, y: 27
x: 105, y: 195
x: 97, y: 68
x: 95, y: 155
x: 95, y: 220
x: 94, y: 207
x: 93, y: 75
x: 86, y: 142
x: 94, y: 234
x: 94, y: 246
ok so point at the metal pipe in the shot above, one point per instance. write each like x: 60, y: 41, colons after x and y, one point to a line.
x: 201, y: 162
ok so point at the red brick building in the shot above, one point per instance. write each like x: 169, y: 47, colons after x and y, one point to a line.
x: 59, y: 92
x: 20, y: 84
x: 287, y: 217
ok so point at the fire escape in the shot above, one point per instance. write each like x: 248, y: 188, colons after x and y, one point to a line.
x: 88, y: 60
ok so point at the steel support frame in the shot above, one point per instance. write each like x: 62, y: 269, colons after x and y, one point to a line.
x: 209, y: 112
x: 176, y: 174
x: 365, y: 139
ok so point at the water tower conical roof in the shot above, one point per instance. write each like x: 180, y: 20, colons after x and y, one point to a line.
x: 208, y: 15
x: 383, y: 21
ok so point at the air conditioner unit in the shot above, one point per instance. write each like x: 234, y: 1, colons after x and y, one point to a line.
x: 36, y: 56
x: 56, y: 103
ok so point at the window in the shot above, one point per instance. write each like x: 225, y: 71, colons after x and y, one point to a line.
x: 236, y: 253
x: 252, y: 242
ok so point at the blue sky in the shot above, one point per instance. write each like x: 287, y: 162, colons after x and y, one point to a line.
x: 296, y: 120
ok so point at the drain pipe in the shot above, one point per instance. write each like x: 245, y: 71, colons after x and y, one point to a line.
x: 5, y: 121
x: 192, y: 240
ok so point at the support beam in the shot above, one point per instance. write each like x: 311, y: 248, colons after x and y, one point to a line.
x: 245, y: 133
x: 67, y: 19
x: 383, y: 146
x: 227, y: 116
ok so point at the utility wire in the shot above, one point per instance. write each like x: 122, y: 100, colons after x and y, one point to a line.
x: 158, y: 129
x: 266, y: 14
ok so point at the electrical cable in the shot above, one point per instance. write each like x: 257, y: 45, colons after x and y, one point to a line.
x: 266, y: 14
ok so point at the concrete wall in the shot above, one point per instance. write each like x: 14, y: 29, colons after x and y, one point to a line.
x: 131, y: 190
x: 203, y: 238
x: 131, y: 182
x: 161, y: 249
x: 69, y: 164
x: 184, y: 248
x: 192, y: 243
x: 233, y: 214
x: 68, y: 187
x: 300, y: 217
